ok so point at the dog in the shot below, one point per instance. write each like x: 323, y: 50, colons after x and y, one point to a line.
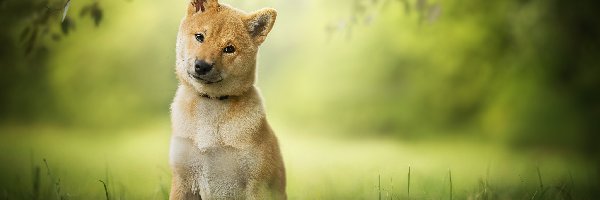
x: 222, y: 146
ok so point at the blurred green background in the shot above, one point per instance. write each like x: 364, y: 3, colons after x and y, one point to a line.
x: 480, y: 99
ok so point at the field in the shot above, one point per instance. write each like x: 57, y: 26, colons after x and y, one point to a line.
x: 49, y: 162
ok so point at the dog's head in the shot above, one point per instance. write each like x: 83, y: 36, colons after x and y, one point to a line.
x: 217, y: 47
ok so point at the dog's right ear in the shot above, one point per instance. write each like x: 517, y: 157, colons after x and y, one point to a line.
x: 202, y: 6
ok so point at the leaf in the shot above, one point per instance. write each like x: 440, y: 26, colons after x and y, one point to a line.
x: 30, y: 42
x: 96, y: 14
x: 56, y: 37
x: 66, y: 8
x: 24, y: 33
x: 85, y: 10
x: 67, y: 25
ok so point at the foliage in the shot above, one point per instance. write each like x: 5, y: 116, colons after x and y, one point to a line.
x: 509, y: 71
x: 32, y: 26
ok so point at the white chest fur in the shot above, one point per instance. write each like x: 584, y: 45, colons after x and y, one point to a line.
x: 212, y: 142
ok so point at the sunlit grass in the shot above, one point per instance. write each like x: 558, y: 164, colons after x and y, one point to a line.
x: 133, y: 165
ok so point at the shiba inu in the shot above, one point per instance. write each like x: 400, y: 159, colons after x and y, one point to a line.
x: 222, y: 146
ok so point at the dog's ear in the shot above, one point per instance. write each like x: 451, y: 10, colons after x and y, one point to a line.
x: 202, y: 6
x: 260, y: 23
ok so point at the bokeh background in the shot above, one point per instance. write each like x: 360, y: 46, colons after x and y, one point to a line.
x: 370, y: 99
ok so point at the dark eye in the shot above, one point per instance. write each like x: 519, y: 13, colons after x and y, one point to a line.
x: 199, y: 37
x: 229, y: 49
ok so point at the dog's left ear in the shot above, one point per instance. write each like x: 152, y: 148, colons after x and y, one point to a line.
x: 260, y: 23
x: 202, y: 6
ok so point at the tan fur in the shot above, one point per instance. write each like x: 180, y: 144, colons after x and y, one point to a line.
x: 223, y: 149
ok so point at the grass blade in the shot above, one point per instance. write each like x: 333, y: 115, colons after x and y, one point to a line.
x: 105, y: 189
x: 408, y: 188
x: 379, y: 186
x: 36, y: 183
x: 540, y: 177
x: 450, y: 175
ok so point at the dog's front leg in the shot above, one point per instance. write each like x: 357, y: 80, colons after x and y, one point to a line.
x: 254, y: 190
x: 257, y: 190
x: 180, y: 190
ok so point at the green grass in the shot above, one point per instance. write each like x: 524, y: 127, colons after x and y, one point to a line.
x: 45, y: 162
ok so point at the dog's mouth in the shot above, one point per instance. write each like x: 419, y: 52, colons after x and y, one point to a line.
x: 206, y: 79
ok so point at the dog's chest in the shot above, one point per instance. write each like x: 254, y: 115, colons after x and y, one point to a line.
x: 206, y: 122
x: 215, y: 123
x: 211, y: 146
x: 215, y: 172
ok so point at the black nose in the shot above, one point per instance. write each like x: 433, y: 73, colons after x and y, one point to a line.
x: 202, y: 68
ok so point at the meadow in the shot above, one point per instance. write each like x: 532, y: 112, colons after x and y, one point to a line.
x: 47, y: 162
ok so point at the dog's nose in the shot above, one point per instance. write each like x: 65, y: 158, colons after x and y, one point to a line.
x: 202, y: 68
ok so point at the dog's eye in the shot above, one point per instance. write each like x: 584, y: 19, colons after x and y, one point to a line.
x: 199, y: 37
x: 229, y: 49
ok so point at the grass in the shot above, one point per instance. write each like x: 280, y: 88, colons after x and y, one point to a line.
x: 132, y: 164
x: 408, y: 184
x: 105, y: 189
x: 450, y: 177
